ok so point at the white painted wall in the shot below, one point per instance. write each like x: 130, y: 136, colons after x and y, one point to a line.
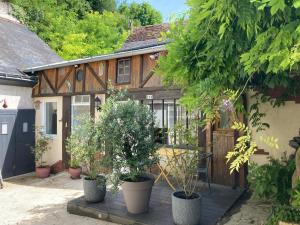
x: 55, y: 152
x: 16, y: 97
x: 284, y: 124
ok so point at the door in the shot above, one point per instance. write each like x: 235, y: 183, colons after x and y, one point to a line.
x: 16, y: 139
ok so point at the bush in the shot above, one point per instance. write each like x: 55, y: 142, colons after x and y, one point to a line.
x: 41, y: 146
x: 273, y: 181
x: 285, y: 214
x: 126, y: 128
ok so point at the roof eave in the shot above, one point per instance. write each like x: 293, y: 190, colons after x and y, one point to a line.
x: 116, y: 55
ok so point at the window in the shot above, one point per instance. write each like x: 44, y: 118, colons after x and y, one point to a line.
x: 80, y: 106
x: 3, y: 128
x: 25, y: 127
x: 123, y: 71
x: 51, y: 118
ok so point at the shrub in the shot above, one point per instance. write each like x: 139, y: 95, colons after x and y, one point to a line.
x: 273, y: 181
x: 41, y: 146
x: 295, y: 196
x: 284, y: 213
x: 126, y: 128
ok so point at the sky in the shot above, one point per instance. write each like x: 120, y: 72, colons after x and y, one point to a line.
x: 166, y: 7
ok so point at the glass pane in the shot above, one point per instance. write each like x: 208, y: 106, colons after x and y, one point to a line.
x: 25, y: 127
x: 127, y: 63
x: 4, y: 128
x: 127, y: 70
x: 78, y: 110
x: 121, y: 71
x: 51, y: 118
x: 85, y: 99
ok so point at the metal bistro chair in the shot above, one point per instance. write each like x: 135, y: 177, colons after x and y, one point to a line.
x: 204, y: 165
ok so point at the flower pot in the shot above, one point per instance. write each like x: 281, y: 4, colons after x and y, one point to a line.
x: 93, y: 190
x: 137, y: 195
x: 186, y: 211
x: 42, y: 172
x: 75, y: 172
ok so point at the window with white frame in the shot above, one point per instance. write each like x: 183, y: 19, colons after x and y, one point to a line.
x: 51, y: 118
x: 80, y: 106
x: 123, y: 71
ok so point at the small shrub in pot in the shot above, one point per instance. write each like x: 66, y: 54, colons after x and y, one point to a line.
x: 86, y: 152
x: 41, y: 147
x: 127, y: 129
x: 186, y: 203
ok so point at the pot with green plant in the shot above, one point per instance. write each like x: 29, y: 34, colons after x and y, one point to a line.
x: 41, y: 147
x: 87, y: 152
x: 74, y: 149
x: 127, y: 128
x: 186, y: 203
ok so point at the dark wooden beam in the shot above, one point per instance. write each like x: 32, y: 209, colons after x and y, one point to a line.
x: 56, y: 80
x: 141, y: 69
x: 74, y: 81
x: 106, y: 73
x: 40, y: 82
x: 96, y: 76
x: 147, y: 79
x: 65, y: 78
x: 48, y: 81
x: 92, y: 106
x: 84, y: 78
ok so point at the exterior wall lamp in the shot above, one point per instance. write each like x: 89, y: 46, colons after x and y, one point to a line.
x: 4, y: 103
x: 154, y: 56
x: 98, y: 103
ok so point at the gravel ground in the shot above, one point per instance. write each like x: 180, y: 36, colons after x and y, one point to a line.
x: 32, y: 201
x: 247, y: 211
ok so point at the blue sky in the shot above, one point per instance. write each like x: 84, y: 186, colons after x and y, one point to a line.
x: 166, y: 7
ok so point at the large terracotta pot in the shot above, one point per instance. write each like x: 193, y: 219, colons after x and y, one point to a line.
x: 75, y: 172
x: 42, y: 172
x: 186, y: 211
x: 137, y: 195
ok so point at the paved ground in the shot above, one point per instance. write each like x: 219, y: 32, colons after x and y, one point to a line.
x: 247, y: 211
x: 31, y: 201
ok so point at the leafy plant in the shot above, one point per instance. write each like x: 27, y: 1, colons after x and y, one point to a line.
x: 126, y: 129
x: 41, y: 146
x: 184, y: 163
x: 284, y: 213
x: 83, y: 145
x: 295, y: 196
x: 273, y: 181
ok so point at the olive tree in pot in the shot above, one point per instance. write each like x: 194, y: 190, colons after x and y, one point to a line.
x: 87, y: 152
x: 127, y: 129
x: 41, y: 147
x: 186, y: 203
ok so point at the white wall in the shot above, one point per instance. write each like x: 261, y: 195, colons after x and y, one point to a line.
x: 16, y: 97
x: 55, y: 152
x: 284, y: 124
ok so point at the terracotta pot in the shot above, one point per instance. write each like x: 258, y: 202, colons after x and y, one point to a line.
x: 137, y: 195
x: 75, y: 172
x: 42, y: 172
x: 186, y: 211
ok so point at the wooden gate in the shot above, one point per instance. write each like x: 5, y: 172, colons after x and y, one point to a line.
x: 224, y: 141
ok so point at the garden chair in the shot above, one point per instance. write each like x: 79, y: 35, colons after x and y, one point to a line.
x: 205, y: 162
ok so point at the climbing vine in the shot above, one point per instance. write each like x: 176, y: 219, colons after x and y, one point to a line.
x: 236, y: 45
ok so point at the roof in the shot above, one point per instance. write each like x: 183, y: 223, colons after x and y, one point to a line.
x: 143, y: 40
x: 144, y: 37
x: 115, y: 55
x: 20, y: 49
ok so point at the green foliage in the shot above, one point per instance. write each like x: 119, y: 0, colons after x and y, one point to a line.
x: 103, y: 5
x: 70, y: 28
x: 295, y: 197
x: 142, y: 14
x: 126, y: 129
x: 273, y: 181
x: 243, y: 149
x: 184, y: 164
x: 83, y: 145
x: 41, y: 146
x: 284, y: 213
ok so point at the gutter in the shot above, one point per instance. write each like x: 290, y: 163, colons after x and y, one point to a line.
x: 115, y: 55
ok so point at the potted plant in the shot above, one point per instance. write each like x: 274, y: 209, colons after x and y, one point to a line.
x: 127, y: 129
x: 74, y: 148
x: 87, y: 153
x: 186, y: 203
x: 41, y: 147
